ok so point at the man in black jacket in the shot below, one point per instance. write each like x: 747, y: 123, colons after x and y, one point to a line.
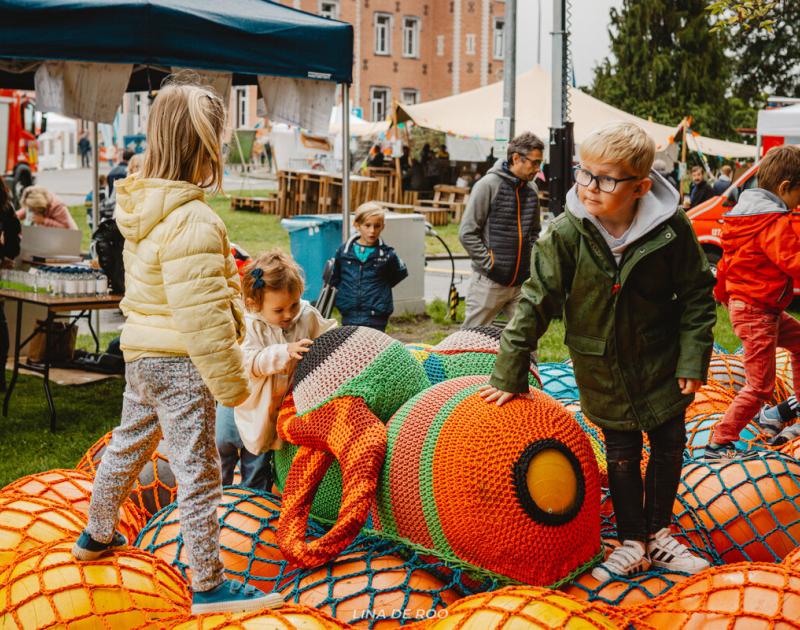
x: 700, y: 190
x: 498, y: 229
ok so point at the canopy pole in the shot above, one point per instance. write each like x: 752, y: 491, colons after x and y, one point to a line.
x: 96, y: 198
x: 345, y: 162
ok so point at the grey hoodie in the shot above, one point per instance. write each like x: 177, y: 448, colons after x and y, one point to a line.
x: 757, y: 201
x: 653, y: 209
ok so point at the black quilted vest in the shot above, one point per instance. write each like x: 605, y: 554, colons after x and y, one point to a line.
x: 512, y: 217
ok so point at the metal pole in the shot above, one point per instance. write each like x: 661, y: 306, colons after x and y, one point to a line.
x: 557, y: 65
x: 96, y: 197
x: 345, y: 162
x: 539, y: 32
x: 510, y: 66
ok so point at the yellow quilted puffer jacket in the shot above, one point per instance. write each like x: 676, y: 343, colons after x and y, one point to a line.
x: 182, y: 295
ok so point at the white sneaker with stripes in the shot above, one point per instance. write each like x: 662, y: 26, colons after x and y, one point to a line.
x: 627, y: 559
x: 668, y: 553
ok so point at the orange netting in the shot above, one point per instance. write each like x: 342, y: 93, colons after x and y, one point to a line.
x: 288, y: 617
x: 727, y: 370
x: 248, y: 544
x: 793, y: 559
x: 344, y: 429
x: 48, y: 588
x: 74, y: 489
x: 487, y: 485
x: 747, y: 509
x: 527, y: 607
x: 751, y: 595
x: 28, y: 522
x: 712, y: 398
x: 373, y: 589
x: 700, y: 427
x: 791, y: 448
x: 783, y: 367
x: 156, y: 486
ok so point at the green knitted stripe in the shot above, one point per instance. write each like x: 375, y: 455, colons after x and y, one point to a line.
x: 328, y: 499
x: 426, y: 470
x: 383, y: 497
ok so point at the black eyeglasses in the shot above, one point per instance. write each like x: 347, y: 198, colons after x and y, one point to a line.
x: 525, y: 158
x: 605, y: 183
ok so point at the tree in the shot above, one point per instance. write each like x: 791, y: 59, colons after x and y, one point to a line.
x: 768, y: 61
x: 666, y: 63
x: 748, y: 14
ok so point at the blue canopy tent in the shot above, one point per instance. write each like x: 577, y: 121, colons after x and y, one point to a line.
x: 244, y: 37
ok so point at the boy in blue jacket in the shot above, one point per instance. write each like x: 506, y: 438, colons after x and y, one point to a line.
x: 365, y: 270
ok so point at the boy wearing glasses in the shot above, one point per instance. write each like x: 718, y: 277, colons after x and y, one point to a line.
x: 498, y: 229
x: 623, y: 269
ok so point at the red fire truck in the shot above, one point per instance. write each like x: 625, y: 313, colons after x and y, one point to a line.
x: 19, y: 149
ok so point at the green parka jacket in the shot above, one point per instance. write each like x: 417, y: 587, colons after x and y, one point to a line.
x: 632, y: 328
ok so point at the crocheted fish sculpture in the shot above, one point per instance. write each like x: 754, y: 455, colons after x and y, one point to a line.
x: 511, y: 492
x: 346, y: 388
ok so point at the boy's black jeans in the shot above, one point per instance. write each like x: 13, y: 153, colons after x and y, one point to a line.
x: 643, y: 509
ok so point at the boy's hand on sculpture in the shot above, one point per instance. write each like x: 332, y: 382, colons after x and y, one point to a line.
x: 491, y: 394
x: 298, y: 348
x: 689, y: 385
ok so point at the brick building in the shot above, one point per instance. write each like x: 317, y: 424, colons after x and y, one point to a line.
x: 417, y: 50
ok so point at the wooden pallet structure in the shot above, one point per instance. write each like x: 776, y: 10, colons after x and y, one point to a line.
x: 263, y: 205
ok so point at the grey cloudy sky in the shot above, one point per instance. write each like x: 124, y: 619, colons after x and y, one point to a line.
x: 589, y: 34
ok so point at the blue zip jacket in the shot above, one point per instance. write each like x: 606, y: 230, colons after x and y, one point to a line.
x: 365, y: 289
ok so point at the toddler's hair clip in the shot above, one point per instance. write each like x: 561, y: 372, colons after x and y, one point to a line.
x: 258, y: 274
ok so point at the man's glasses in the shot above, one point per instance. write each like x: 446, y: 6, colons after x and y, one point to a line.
x: 605, y: 183
x: 525, y: 158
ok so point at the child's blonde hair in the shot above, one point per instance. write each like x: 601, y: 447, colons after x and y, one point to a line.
x: 624, y: 143
x: 184, y: 130
x: 135, y: 164
x: 36, y: 198
x: 273, y: 271
x: 367, y: 210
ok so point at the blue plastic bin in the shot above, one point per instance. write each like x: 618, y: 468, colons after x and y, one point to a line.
x: 313, y: 239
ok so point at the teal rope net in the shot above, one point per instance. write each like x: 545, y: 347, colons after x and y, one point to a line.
x: 624, y: 590
x: 377, y: 580
x: 740, y: 510
x: 700, y: 427
x: 558, y: 380
x: 248, y: 522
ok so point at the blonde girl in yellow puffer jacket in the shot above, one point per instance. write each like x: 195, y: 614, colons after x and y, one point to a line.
x: 180, y: 339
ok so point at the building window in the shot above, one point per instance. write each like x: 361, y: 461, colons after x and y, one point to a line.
x: 410, y: 96
x: 440, y: 45
x: 379, y: 98
x: 410, y: 37
x: 383, y: 34
x: 329, y: 10
x: 470, y: 47
x: 499, y: 38
x: 241, y: 106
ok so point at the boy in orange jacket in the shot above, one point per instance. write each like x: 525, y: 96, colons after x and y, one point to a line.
x: 760, y: 264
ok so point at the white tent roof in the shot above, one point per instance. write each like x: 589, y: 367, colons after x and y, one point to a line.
x: 784, y: 121
x: 473, y: 113
x: 358, y: 126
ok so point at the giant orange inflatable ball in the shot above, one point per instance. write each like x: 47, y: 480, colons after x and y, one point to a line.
x: 372, y: 590
x: 248, y: 522
x: 746, y: 509
x: 527, y: 607
x: 155, y: 487
x: 288, y: 617
x: 624, y: 591
x: 48, y: 588
x: 748, y: 595
x: 712, y: 398
x: 792, y: 559
x: 29, y: 522
x: 73, y: 488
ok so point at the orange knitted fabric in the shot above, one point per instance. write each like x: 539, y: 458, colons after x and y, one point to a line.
x: 344, y: 429
x: 511, y: 489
